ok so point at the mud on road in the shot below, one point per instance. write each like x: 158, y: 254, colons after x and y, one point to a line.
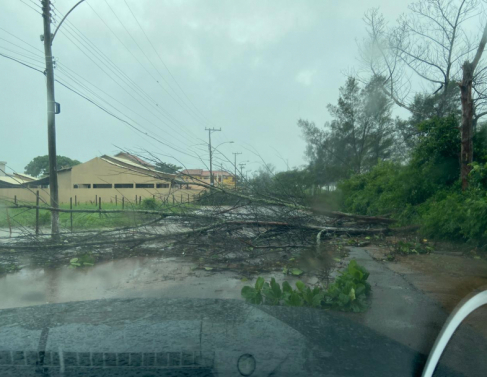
x: 445, y: 276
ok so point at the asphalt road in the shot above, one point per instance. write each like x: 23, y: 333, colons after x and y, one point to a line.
x: 160, y: 335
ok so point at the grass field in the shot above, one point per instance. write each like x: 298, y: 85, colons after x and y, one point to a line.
x: 22, y: 217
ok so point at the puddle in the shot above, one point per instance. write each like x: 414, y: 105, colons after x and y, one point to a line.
x: 122, y: 278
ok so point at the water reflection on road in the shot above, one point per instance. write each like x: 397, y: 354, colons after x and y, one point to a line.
x: 123, y: 278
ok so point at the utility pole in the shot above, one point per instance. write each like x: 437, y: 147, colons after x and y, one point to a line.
x: 210, y: 130
x: 235, y: 165
x: 51, y: 119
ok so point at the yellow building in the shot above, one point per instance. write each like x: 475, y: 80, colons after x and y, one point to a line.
x: 203, y: 176
x: 106, y: 177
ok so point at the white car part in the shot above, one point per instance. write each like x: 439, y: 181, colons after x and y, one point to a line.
x: 461, y: 311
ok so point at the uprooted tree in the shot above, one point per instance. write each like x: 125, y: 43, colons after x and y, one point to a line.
x: 252, y: 226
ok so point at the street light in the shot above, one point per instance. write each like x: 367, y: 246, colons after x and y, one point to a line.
x: 226, y: 142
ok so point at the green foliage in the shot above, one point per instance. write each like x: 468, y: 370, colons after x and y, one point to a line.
x: 457, y: 215
x: 84, y: 260
x: 426, y: 191
x: 21, y: 217
x: 149, y: 203
x: 361, y: 134
x: 166, y: 167
x: 253, y: 295
x: 39, y: 166
x: 350, y: 289
x: 436, y: 156
x: 347, y: 293
x: 407, y: 248
x: 478, y: 176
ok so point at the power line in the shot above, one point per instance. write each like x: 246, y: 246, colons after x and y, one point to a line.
x: 64, y: 72
x: 35, y: 10
x: 38, y: 61
x: 20, y: 62
x: 34, y: 3
x: 189, y: 110
x: 16, y: 45
x: 88, y: 99
x: 105, y: 110
x: 35, y: 48
x: 116, y: 82
x: 164, y: 64
x: 129, y: 82
x: 123, y: 120
x: 137, y: 89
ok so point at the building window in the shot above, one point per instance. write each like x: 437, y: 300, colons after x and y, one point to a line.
x: 82, y: 186
x: 162, y: 185
x: 124, y: 185
x: 102, y: 185
x: 144, y: 185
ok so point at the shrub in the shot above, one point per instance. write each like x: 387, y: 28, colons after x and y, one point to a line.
x: 426, y: 191
x: 460, y: 216
x: 149, y: 203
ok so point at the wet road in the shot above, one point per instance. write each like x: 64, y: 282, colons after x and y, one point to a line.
x: 398, y: 310
x: 123, y: 278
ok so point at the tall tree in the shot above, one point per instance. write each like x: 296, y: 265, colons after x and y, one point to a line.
x: 39, y: 166
x: 468, y: 111
x: 361, y: 133
x: 166, y: 167
x: 431, y: 45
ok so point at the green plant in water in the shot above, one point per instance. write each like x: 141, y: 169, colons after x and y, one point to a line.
x: 84, y: 260
x: 350, y: 289
x: 347, y: 293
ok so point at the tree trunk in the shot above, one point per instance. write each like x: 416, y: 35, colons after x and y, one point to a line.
x: 466, y: 155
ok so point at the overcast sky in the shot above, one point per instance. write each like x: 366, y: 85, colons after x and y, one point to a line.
x: 252, y: 68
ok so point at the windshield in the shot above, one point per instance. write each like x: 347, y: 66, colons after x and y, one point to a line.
x: 242, y: 188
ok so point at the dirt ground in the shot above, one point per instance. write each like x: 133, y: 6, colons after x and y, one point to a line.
x: 447, y: 277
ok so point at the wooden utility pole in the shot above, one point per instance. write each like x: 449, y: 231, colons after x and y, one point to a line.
x: 37, y: 213
x: 235, y: 165
x: 51, y: 118
x: 210, y: 130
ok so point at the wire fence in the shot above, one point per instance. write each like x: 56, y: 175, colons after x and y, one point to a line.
x: 116, y: 211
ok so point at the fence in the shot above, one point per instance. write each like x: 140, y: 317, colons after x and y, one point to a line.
x: 130, y: 210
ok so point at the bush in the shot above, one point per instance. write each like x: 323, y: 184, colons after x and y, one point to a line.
x: 426, y: 191
x: 459, y: 216
x: 149, y: 203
